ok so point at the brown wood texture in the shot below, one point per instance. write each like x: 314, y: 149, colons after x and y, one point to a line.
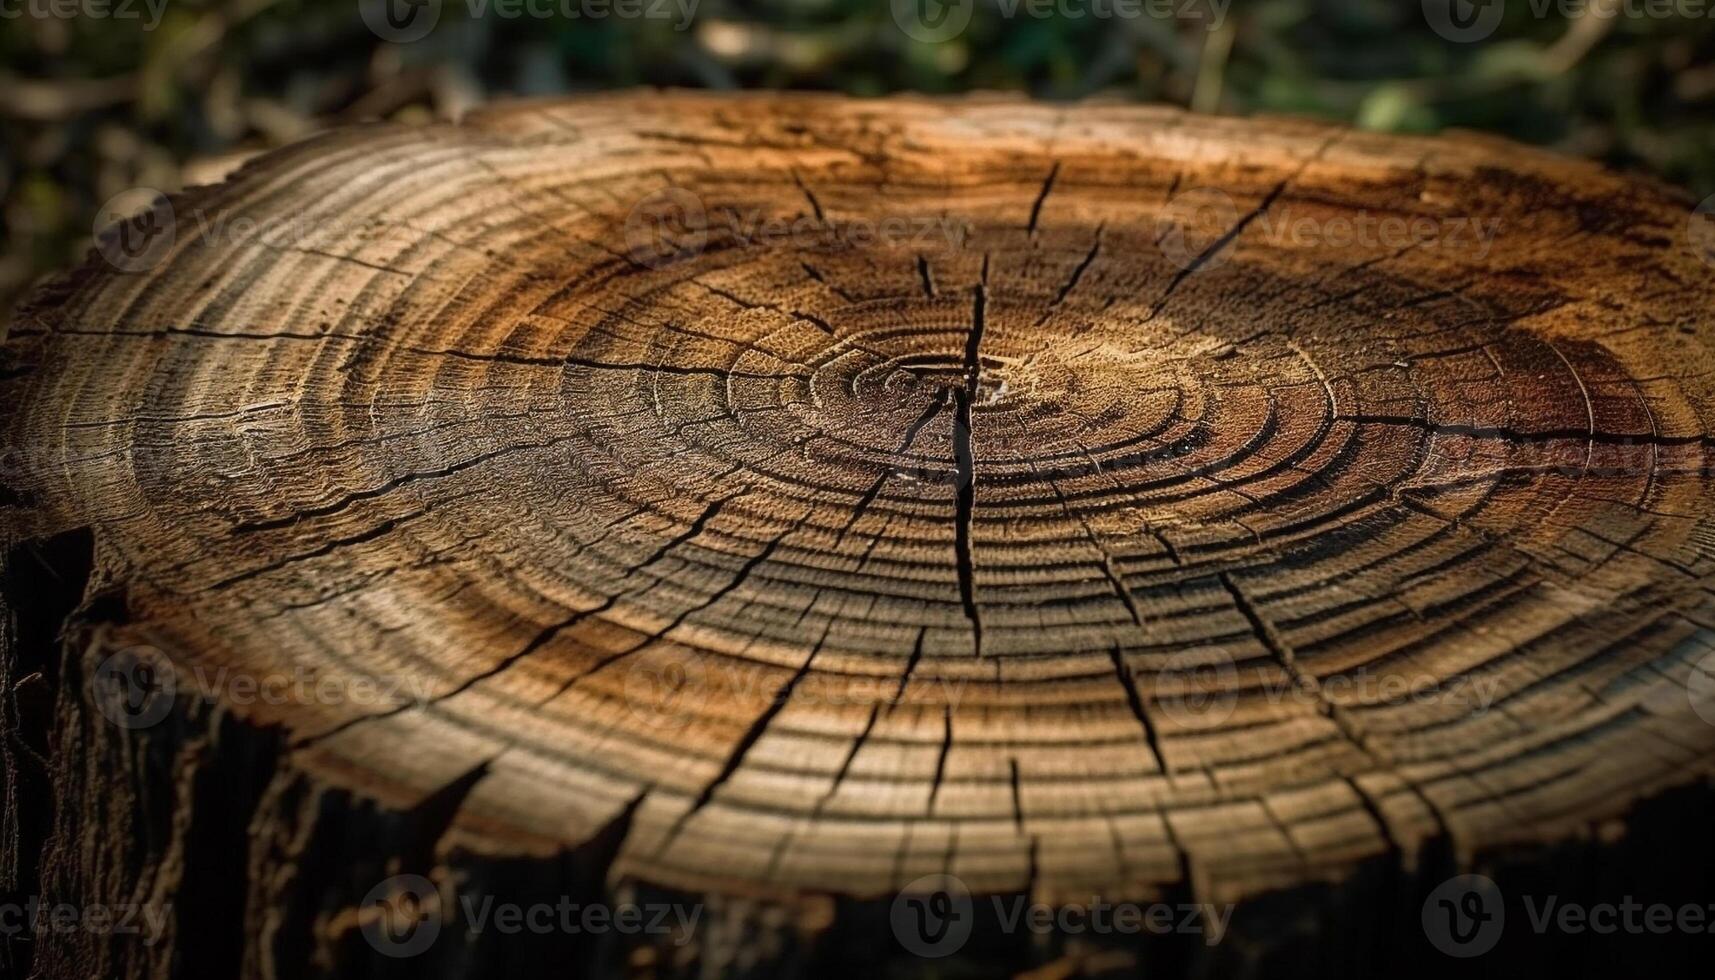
x: 819, y: 494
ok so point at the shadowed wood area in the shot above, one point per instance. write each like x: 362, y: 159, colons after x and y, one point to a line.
x: 804, y: 496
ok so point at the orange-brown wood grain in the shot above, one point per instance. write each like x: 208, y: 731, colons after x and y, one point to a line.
x: 839, y: 492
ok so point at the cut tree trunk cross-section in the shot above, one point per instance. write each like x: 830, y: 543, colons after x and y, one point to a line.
x: 797, y: 497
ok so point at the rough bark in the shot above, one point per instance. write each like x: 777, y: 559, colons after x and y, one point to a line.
x: 768, y: 502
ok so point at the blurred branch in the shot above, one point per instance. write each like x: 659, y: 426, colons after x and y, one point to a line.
x: 1217, y: 44
x: 62, y: 99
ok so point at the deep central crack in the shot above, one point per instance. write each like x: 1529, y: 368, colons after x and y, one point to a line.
x: 965, y: 462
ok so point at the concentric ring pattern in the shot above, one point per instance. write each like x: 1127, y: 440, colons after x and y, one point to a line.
x: 843, y: 492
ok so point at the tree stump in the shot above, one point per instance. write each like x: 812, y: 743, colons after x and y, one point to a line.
x: 773, y: 501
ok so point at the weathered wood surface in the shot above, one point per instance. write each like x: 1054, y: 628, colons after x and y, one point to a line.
x: 804, y: 496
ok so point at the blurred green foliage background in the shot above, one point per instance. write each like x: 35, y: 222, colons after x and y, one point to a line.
x: 93, y: 106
